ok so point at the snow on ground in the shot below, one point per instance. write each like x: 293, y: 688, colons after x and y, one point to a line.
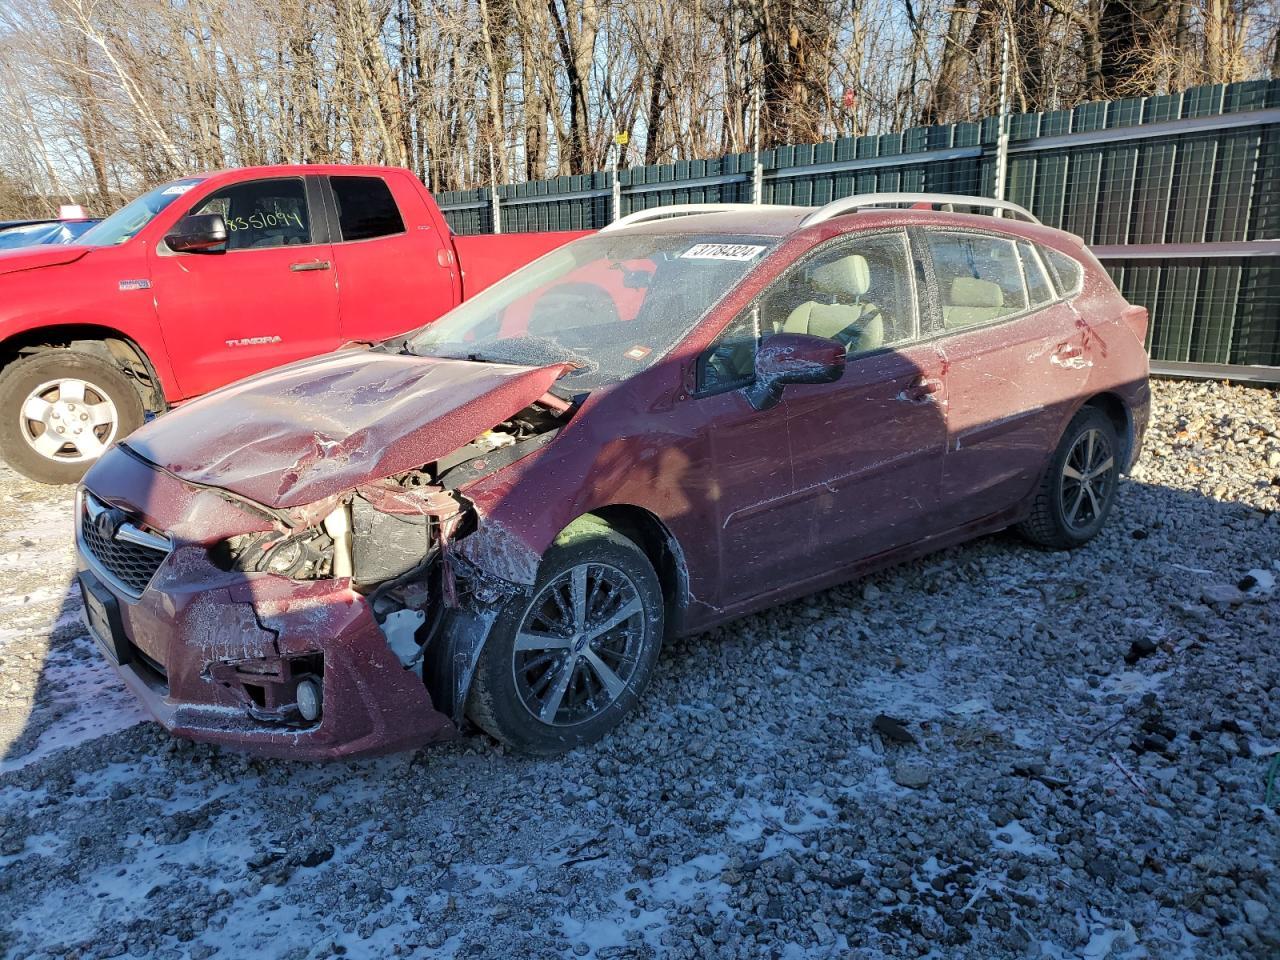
x: 1092, y: 736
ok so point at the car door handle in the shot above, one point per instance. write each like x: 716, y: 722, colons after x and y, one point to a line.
x: 922, y: 388
x: 306, y: 265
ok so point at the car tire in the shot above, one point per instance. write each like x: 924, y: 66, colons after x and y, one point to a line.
x: 86, y: 397
x: 539, y: 647
x: 1079, y: 486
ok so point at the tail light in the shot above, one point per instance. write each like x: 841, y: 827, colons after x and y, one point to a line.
x: 1136, y: 318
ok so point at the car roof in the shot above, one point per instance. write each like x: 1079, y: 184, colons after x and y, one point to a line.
x: 786, y: 221
x: 749, y: 221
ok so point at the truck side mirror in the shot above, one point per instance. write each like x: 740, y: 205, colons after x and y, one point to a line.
x: 202, y: 233
x: 793, y: 358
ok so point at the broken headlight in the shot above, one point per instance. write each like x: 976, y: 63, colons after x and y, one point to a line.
x: 300, y: 556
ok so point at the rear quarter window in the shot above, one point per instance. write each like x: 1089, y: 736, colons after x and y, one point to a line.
x: 1068, y: 274
x: 366, y: 208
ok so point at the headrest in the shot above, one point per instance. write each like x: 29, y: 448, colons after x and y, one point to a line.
x: 849, y: 276
x: 972, y: 292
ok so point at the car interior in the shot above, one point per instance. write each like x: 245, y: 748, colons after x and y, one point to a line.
x: 862, y: 300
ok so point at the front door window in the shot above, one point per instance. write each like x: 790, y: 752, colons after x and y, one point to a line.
x: 262, y: 213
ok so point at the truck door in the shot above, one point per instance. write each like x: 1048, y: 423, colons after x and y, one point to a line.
x: 395, y: 271
x: 268, y: 298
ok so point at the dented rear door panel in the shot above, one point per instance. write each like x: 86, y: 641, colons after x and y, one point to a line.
x: 1009, y: 385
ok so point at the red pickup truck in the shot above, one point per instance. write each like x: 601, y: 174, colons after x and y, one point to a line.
x: 214, y: 277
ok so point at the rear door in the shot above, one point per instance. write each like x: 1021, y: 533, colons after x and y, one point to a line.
x: 268, y: 298
x: 395, y: 270
x: 1015, y: 360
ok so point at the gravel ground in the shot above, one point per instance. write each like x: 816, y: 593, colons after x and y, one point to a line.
x: 1078, y: 769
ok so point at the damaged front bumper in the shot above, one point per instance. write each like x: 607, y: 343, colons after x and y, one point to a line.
x: 224, y: 666
x: 219, y: 656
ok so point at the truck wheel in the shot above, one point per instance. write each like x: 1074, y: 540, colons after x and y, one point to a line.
x: 60, y: 410
x: 562, y: 666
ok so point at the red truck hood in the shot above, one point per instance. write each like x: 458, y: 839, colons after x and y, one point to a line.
x: 312, y: 429
x: 48, y: 255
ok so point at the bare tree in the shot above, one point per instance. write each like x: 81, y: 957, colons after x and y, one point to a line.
x: 99, y: 98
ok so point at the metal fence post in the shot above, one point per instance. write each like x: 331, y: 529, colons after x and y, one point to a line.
x: 1002, y: 139
x: 616, y: 186
x: 757, y: 173
x: 494, y: 201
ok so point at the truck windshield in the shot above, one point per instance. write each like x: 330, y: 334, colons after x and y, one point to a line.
x: 133, y: 216
x: 611, y: 304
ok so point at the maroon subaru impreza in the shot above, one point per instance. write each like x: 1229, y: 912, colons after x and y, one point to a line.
x: 688, y: 416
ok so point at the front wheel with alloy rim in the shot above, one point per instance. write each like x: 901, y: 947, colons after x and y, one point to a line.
x: 1078, y: 489
x: 566, y: 661
x: 60, y: 410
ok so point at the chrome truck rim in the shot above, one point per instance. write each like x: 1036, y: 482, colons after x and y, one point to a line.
x: 68, y: 420
x: 578, y: 645
x: 1087, y: 478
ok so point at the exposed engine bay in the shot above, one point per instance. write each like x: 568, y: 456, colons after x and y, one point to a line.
x: 392, y: 536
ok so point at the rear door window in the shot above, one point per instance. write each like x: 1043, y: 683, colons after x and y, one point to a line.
x: 1038, y: 285
x: 262, y: 213
x: 366, y: 208
x: 979, y: 278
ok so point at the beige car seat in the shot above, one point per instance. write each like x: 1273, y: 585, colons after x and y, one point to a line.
x: 848, y: 320
x: 972, y: 301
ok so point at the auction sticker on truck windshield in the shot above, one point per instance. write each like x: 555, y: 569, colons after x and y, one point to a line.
x: 722, y: 251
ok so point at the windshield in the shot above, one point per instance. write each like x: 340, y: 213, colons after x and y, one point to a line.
x: 29, y: 235
x: 611, y: 304
x: 128, y: 220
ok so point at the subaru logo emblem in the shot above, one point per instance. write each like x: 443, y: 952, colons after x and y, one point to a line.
x: 108, y: 522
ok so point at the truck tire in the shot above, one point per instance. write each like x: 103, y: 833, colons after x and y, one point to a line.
x: 563, y: 665
x: 60, y: 410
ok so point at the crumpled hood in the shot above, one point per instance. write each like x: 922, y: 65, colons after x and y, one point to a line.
x: 312, y: 429
x: 43, y: 255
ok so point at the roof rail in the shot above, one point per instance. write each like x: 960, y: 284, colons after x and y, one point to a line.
x: 687, y: 209
x: 945, y: 200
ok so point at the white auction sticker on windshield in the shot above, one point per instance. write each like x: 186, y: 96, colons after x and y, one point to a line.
x: 177, y: 189
x: 722, y: 251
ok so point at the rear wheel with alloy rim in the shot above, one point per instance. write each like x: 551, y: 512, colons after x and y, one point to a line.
x: 60, y: 410
x: 564, y: 663
x: 1078, y: 489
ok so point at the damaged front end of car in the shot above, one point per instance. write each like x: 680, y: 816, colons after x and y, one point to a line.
x: 346, y: 626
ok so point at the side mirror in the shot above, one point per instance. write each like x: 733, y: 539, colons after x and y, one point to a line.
x: 793, y: 358
x: 198, y: 234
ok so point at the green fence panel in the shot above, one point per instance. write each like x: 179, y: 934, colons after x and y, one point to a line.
x: 1151, y: 191
x: 1256, y: 341
x: 1186, y: 187
x: 1192, y: 183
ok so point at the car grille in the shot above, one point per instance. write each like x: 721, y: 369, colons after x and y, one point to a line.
x: 131, y: 557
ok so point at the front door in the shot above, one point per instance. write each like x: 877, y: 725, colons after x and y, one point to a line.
x: 866, y: 450
x: 751, y: 461
x: 864, y: 454
x: 270, y: 297
x: 867, y: 456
